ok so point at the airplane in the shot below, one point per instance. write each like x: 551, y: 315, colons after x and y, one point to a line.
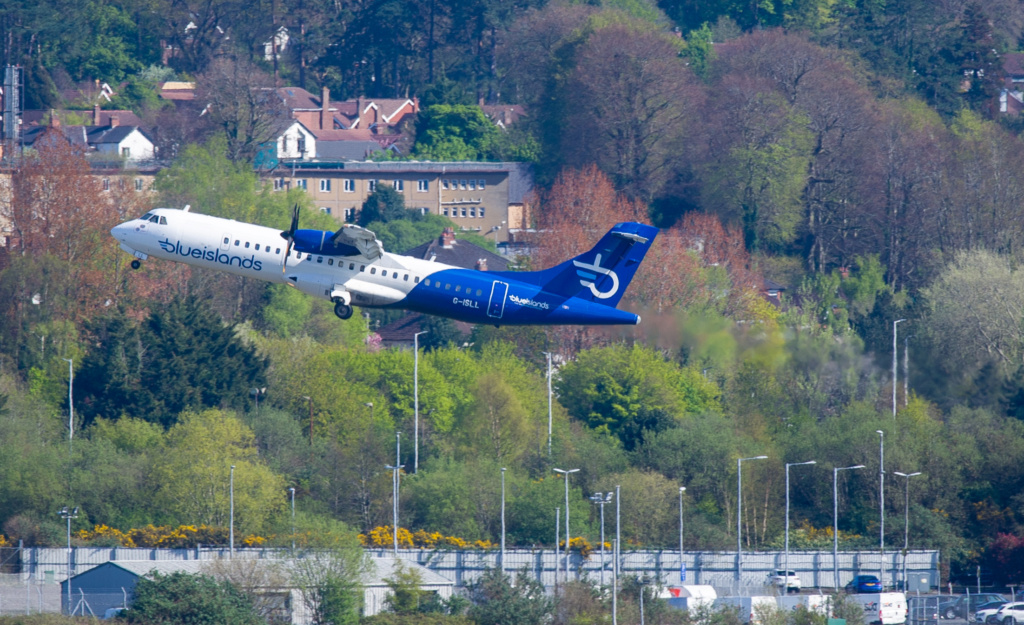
x: 349, y: 267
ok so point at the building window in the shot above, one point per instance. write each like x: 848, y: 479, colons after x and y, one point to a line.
x: 480, y: 184
x: 399, y: 185
x: 138, y: 184
x: 325, y: 184
x: 371, y: 185
x: 350, y: 185
x: 444, y: 211
x: 350, y: 214
x: 278, y: 183
x: 423, y: 185
x: 463, y: 212
x: 472, y: 185
x: 302, y: 146
x: 300, y: 184
x: 106, y: 184
x: 444, y: 184
x: 472, y: 212
x: 325, y: 209
x: 126, y: 152
x: 481, y: 212
x: 462, y: 185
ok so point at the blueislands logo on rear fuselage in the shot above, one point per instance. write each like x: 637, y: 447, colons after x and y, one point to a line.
x: 207, y: 254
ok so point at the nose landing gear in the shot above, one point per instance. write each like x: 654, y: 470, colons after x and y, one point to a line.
x: 342, y: 310
x: 136, y: 264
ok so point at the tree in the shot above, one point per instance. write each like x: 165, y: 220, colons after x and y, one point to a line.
x: 195, y: 599
x: 454, y: 132
x: 329, y: 571
x: 499, y: 601
x: 385, y: 204
x: 628, y: 106
x: 193, y: 473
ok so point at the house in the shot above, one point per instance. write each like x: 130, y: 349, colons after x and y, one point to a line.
x: 177, y: 91
x: 487, y: 198
x: 112, y: 584
x: 111, y: 142
x: 772, y: 291
x: 503, y: 115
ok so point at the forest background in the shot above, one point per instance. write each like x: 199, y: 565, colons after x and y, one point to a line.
x: 851, y: 150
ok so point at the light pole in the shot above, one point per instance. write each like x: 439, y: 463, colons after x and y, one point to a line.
x: 739, y: 508
x: 394, y: 488
x: 548, y: 354
x: 292, y: 492
x: 257, y: 392
x: 369, y: 405
x: 231, y: 520
x: 894, y: 365
x: 906, y: 370
x: 790, y: 464
x: 881, y: 507
x: 615, y: 556
x: 906, y: 523
x: 502, y: 519
x: 68, y: 514
x: 568, y: 541
x: 600, y: 499
x: 416, y: 400
x: 835, y: 521
x: 71, y: 405
x: 682, y: 570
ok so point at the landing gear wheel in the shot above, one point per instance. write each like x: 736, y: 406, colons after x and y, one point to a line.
x: 136, y: 264
x: 342, y: 310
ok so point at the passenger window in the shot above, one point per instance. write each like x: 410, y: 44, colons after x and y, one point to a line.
x: 257, y: 247
x: 479, y: 292
x: 426, y: 282
x: 351, y: 266
x: 237, y: 242
x: 394, y: 274
x: 320, y: 259
x: 406, y: 278
x: 330, y: 261
x: 447, y: 287
x: 362, y: 267
x: 373, y: 270
x: 384, y: 273
x: 458, y: 288
x: 416, y: 280
x: 226, y: 240
x: 277, y: 251
x: 246, y: 245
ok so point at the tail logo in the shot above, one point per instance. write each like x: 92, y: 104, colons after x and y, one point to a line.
x: 588, y: 273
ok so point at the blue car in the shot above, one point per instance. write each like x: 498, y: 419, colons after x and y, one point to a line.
x: 864, y: 583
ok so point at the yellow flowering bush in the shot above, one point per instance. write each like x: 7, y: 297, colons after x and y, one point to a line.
x: 580, y: 544
x: 4, y: 542
x: 382, y: 536
x: 166, y: 537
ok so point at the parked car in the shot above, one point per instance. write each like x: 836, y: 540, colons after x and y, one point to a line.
x: 986, y: 610
x: 1011, y: 613
x: 964, y: 605
x: 788, y: 580
x: 864, y: 583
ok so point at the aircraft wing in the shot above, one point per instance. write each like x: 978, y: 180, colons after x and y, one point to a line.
x: 361, y: 239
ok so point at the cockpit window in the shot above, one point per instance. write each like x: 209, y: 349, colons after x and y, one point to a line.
x: 154, y: 219
x: 146, y: 216
x: 163, y: 221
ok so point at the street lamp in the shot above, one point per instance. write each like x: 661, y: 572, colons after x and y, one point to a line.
x: 682, y: 570
x: 257, y: 392
x: 416, y: 400
x: 601, y: 499
x: 894, y: 365
x: 502, y: 519
x: 835, y: 521
x: 68, y: 514
x: 790, y: 464
x: 71, y: 406
x: 906, y: 523
x: 394, y: 487
x: 739, y: 508
x: 292, y: 491
x: 881, y: 507
x: 548, y: 354
x: 568, y: 542
x: 231, y: 519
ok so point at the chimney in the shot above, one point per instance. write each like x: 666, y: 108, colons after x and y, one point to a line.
x: 96, y: 115
x: 325, y: 105
x: 113, y: 121
x: 447, y: 239
x: 481, y: 264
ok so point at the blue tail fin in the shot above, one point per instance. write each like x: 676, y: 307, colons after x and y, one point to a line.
x: 602, y: 274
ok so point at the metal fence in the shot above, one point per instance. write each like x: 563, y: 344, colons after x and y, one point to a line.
x: 22, y: 595
x: 816, y: 569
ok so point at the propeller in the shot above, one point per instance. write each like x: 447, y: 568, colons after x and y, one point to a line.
x: 289, y: 235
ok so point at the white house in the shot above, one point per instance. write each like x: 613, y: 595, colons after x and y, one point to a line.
x: 128, y: 142
x: 295, y: 141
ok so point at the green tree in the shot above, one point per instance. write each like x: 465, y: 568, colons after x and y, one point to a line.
x: 385, y: 204
x: 192, y: 599
x: 632, y: 392
x: 499, y: 601
x: 458, y: 132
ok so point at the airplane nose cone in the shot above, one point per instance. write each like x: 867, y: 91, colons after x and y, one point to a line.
x: 119, y: 231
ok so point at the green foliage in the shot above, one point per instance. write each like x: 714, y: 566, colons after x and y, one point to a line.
x: 401, y: 235
x: 182, y: 357
x: 194, y: 599
x: 459, y: 132
x: 384, y: 205
x: 406, y: 595
x: 863, y: 287
x: 497, y: 601
x: 700, y: 51
x: 632, y: 392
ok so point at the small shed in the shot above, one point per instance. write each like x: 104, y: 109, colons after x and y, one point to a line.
x: 112, y: 584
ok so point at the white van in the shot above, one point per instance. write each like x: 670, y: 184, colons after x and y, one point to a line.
x: 886, y: 608
x: 747, y: 606
x: 692, y: 598
x: 814, y: 603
